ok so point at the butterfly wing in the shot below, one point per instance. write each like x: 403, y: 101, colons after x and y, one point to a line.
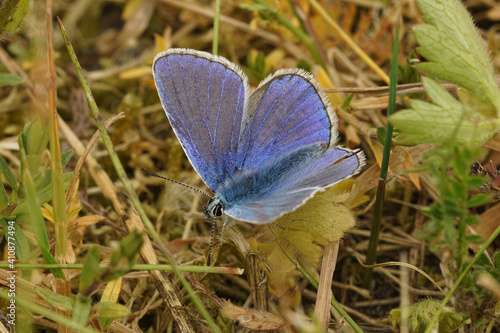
x: 203, y: 96
x: 268, y: 210
x: 331, y: 167
x: 287, y: 111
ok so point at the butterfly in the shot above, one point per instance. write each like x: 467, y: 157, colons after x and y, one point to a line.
x: 263, y: 152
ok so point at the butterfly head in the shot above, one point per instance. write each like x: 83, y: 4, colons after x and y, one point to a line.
x: 215, y: 208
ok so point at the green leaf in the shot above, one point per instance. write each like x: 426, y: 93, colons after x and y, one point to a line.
x: 66, y: 156
x: 43, y: 194
x: 8, y: 174
x: 90, y: 271
x: 35, y: 214
x: 54, y: 299
x: 4, y: 198
x: 496, y: 260
x: 81, y: 311
x: 124, y: 257
x: 478, y: 200
x: 381, y: 134
x: 7, y: 79
x: 475, y: 181
x: 474, y: 239
x: 16, y: 18
x: 108, y: 310
x: 346, y: 105
x: 22, y: 245
x: 446, y: 119
x: 470, y: 219
x: 456, y: 52
x: 36, y: 137
x: 450, y: 233
x: 475, y: 103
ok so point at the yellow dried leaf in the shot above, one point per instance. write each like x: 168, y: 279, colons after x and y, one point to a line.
x: 323, y: 219
x: 112, y: 291
x: 159, y: 44
x: 408, y: 164
x: 86, y: 221
x: 282, y: 282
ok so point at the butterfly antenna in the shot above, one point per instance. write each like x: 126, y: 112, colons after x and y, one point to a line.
x: 175, y: 181
x: 277, y: 225
x: 354, y: 152
x: 214, y: 226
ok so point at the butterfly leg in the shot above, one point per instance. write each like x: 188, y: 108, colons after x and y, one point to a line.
x: 212, y: 234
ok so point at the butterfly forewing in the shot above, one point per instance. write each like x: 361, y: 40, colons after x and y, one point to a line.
x: 284, y: 113
x: 203, y: 97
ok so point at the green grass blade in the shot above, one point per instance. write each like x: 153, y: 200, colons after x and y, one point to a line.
x: 35, y: 214
x: 371, y: 254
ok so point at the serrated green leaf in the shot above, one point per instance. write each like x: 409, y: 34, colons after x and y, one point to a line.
x: 478, y: 200
x: 477, y: 104
x: 7, y: 79
x: 456, y: 52
x: 108, y: 310
x: 446, y: 119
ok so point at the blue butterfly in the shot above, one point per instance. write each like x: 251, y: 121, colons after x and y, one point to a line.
x: 263, y: 152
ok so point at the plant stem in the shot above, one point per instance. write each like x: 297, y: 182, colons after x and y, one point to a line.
x: 379, y: 203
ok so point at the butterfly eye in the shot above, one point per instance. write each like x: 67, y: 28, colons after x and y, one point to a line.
x: 217, y: 210
x: 214, y: 208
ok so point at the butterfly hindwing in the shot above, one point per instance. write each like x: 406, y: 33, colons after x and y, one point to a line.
x: 292, y: 190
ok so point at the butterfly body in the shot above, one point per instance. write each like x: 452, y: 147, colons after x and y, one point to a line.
x: 263, y: 153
